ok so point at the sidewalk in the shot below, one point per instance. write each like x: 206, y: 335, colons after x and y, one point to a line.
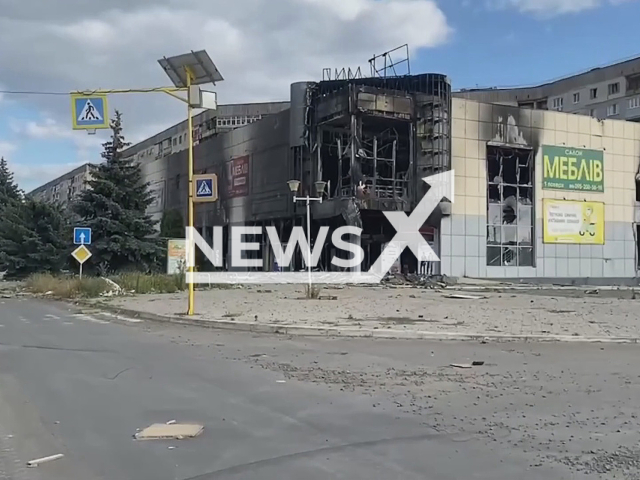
x: 402, y: 312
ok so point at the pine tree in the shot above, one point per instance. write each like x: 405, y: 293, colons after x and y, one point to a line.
x: 9, y: 191
x: 172, y: 224
x: 114, y: 207
x: 33, y: 238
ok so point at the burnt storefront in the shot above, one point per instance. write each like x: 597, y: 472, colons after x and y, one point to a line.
x: 372, y: 141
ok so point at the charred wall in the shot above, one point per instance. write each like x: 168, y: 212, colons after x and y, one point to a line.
x: 374, y: 139
x: 252, y: 164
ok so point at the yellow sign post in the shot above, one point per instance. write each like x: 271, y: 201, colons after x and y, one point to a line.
x: 81, y: 254
x: 187, y: 72
x: 574, y: 222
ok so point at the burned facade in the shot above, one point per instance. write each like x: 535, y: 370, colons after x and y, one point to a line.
x: 372, y: 141
x: 541, y: 195
x: 538, y: 194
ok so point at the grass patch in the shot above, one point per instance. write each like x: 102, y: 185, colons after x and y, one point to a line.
x: 66, y: 287
x: 91, y: 287
x: 150, y: 283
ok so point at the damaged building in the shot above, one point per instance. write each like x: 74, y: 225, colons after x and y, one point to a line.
x: 538, y: 194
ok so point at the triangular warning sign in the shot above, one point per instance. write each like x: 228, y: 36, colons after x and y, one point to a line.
x: 204, y: 190
x: 89, y: 113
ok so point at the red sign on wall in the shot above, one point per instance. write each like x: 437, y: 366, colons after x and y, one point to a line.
x: 238, y: 177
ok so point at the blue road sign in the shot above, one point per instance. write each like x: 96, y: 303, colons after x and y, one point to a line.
x: 89, y: 111
x: 204, y: 188
x: 82, y: 236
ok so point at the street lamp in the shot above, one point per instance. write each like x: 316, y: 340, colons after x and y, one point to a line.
x: 188, y: 71
x: 293, y: 186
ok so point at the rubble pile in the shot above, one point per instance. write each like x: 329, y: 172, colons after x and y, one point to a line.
x: 419, y: 281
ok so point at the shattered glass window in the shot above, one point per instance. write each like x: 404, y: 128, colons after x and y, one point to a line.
x: 510, y: 215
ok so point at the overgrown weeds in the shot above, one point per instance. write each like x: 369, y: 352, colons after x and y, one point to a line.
x: 150, y: 283
x: 66, y: 287
x: 90, y: 287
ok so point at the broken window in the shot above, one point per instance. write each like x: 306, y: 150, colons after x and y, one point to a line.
x: 510, y: 206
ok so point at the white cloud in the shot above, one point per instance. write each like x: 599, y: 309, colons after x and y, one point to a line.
x: 260, y: 47
x: 7, y: 148
x: 88, y: 146
x: 553, y: 7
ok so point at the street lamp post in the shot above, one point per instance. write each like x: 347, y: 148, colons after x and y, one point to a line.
x: 293, y: 186
x: 187, y: 72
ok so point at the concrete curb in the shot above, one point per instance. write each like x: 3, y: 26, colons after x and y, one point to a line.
x: 311, y: 331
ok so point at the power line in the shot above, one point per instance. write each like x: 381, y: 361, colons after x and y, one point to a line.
x: 16, y: 92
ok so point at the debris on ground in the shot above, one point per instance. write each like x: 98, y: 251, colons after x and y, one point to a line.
x: 422, y: 281
x: 459, y: 296
x: 475, y: 363
x: 625, y: 460
x: 114, y: 288
x: 461, y: 365
x: 175, y: 431
x: 39, y: 461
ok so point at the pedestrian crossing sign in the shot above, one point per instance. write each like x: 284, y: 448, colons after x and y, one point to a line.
x: 205, y: 188
x: 89, y: 112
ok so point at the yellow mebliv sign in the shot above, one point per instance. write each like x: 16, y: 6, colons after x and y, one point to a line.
x: 575, y: 222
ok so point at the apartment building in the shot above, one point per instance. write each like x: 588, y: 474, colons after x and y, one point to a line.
x: 610, y: 92
x: 64, y: 188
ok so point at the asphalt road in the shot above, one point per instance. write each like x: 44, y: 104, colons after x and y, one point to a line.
x: 290, y: 409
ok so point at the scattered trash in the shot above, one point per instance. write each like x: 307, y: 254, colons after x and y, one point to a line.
x: 57, y: 422
x: 423, y: 281
x: 461, y: 365
x: 281, y: 381
x: 38, y: 461
x: 176, y: 431
x: 171, y: 422
x: 115, y: 289
x: 171, y: 447
x: 328, y: 297
x: 50, y: 292
x: 459, y: 296
x: 592, y: 292
x: 475, y: 363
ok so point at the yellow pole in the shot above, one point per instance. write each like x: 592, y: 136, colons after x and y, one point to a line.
x: 190, y: 311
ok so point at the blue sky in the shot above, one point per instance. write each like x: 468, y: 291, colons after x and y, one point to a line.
x: 489, y: 43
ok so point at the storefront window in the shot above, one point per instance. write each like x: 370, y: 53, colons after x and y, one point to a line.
x: 510, y: 206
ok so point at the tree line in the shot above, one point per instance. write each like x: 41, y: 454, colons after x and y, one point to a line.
x: 37, y: 236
